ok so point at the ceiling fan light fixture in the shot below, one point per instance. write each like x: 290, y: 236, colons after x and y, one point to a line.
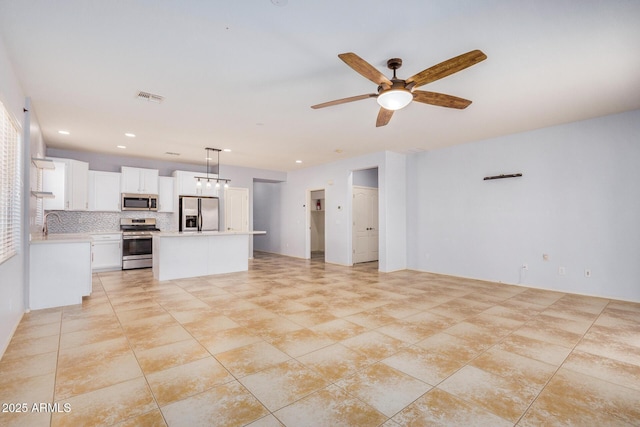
x: 395, y: 99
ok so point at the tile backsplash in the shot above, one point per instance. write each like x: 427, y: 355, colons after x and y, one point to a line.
x: 93, y: 222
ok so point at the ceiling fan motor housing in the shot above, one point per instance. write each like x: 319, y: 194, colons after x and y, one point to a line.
x: 394, y: 63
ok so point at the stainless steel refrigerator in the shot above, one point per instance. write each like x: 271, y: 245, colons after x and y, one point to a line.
x: 198, y: 213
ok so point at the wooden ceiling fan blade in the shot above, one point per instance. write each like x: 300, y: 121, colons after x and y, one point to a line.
x: 344, y: 100
x: 440, y: 99
x: 384, y: 116
x: 365, y: 69
x: 446, y: 68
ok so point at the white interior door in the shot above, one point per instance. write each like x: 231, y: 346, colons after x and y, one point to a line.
x: 365, y: 224
x: 236, y: 202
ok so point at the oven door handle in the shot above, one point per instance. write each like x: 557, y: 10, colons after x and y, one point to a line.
x: 136, y: 237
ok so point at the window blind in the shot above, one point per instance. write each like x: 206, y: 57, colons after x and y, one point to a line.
x: 9, y: 185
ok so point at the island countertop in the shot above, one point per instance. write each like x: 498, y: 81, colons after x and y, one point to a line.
x: 204, y: 233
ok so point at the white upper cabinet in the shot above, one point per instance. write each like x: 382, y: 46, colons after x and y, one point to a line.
x: 104, y: 191
x: 69, y: 184
x: 139, y: 180
x: 187, y: 184
x: 166, y: 198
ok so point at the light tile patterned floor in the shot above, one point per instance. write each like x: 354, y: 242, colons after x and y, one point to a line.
x: 303, y: 343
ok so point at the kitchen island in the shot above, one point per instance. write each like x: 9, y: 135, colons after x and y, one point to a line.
x: 178, y: 255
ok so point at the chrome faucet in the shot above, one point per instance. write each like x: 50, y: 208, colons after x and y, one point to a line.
x: 45, y: 228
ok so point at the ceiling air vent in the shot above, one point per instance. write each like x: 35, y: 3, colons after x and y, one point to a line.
x: 171, y: 153
x: 146, y: 96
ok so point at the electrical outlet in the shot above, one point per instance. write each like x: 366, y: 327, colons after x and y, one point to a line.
x: 587, y: 273
x: 562, y: 271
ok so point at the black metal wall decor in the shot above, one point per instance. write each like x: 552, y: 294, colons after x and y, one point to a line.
x: 513, y: 175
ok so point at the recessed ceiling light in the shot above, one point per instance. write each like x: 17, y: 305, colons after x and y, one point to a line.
x: 64, y: 132
x: 298, y: 161
x: 227, y: 150
x: 121, y: 146
x: 130, y: 135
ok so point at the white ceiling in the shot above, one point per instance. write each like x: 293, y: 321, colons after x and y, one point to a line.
x: 243, y: 74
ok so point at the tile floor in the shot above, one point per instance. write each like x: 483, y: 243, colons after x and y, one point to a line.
x: 303, y: 343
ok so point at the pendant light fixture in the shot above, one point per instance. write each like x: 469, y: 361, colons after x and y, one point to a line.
x: 208, y: 179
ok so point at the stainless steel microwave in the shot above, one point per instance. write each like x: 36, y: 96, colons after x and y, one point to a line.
x: 139, y: 202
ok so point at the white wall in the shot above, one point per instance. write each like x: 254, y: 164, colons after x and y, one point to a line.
x: 578, y: 202
x: 393, y: 212
x: 336, y: 178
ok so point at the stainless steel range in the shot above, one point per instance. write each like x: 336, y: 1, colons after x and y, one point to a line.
x: 137, y: 242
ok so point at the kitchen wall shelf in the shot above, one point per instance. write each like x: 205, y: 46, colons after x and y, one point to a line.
x: 43, y: 163
x: 43, y: 194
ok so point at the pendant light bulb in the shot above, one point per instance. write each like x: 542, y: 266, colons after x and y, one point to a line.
x: 208, y: 185
x: 199, y: 183
x: 217, y: 184
x: 226, y: 185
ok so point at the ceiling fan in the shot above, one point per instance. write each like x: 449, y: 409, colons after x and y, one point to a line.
x: 396, y: 93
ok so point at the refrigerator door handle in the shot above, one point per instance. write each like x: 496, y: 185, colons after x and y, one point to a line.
x: 200, y: 222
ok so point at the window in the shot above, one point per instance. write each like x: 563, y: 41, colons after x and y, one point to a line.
x: 9, y: 186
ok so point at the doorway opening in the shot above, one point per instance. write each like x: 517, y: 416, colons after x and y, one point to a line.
x: 365, y: 231
x: 267, y: 215
x: 316, y: 221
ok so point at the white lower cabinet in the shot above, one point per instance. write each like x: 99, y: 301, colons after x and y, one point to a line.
x: 59, y: 273
x: 106, y: 252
